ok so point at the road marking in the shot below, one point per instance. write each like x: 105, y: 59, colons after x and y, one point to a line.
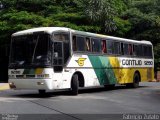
x: 50, y: 108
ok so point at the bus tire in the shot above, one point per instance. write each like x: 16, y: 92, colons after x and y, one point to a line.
x: 42, y: 92
x: 136, y: 80
x: 74, y: 85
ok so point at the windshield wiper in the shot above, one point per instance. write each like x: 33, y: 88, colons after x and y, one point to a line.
x: 35, y: 48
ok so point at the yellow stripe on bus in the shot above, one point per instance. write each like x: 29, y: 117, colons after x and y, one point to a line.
x: 125, y: 75
x: 39, y: 70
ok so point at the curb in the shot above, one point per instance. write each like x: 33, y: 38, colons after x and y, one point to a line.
x: 4, y: 87
x: 154, y: 80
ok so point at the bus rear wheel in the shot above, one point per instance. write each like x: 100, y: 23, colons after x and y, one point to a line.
x: 136, y: 80
x: 74, y: 85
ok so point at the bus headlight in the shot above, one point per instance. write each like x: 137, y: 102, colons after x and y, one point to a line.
x: 12, y: 85
x: 40, y: 83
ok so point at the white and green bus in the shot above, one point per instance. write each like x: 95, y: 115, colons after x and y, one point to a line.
x: 51, y: 58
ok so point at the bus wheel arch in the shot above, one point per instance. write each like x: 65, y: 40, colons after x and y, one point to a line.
x: 80, y: 78
x: 136, y: 79
x: 76, y: 82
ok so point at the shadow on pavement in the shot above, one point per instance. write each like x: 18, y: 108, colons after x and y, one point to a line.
x: 68, y: 93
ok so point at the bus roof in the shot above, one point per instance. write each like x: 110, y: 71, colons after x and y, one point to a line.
x: 110, y: 37
x: 50, y: 30
x: 40, y: 29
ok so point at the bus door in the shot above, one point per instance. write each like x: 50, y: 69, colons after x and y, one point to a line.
x: 58, y: 56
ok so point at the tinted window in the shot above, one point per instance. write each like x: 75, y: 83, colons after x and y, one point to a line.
x: 80, y: 43
x: 150, y: 51
x: 88, y: 44
x: 122, y: 51
x: 74, y: 43
x: 147, y: 51
x: 104, y: 48
x: 109, y: 47
x: 116, y: 48
x: 61, y: 36
x: 27, y: 50
x: 130, y: 49
x: 66, y: 51
x: 125, y: 49
x: 96, y: 45
x: 138, y: 50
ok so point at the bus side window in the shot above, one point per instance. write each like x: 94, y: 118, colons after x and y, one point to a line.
x: 134, y: 51
x: 122, y: 50
x: 80, y: 43
x: 61, y: 36
x: 88, y: 44
x: 74, y: 43
x: 125, y: 48
x: 150, y: 51
x: 96, y: 45
x: 147, y: 51
x: 138, y: 50
x: 116, y: 48
x: 109, y: 46
x: 104, y: 48
x: 130, y: 49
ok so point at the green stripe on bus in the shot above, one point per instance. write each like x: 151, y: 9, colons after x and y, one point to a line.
x: 100, y: 65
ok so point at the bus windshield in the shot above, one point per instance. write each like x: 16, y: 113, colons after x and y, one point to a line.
x: 30, y: 50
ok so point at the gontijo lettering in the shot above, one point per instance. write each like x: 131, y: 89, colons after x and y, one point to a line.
x: 131, y: 62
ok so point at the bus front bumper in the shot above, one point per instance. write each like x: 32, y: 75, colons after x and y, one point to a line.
x: 34, y: 84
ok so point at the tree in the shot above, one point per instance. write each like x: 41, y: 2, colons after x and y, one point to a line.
x: 100, y: 12
x: 144, y: 18
x: 157, y: 55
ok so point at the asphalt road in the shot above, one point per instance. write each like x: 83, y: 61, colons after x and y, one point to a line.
x: 97, y: 103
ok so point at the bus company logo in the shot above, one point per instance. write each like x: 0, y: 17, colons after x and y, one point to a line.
x: 80, y: 61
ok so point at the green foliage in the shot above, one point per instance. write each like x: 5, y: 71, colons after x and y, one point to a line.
x: 144, y: 17
x: 123, y: 26
x: 24, y: 19
x: 157, y: 54
x: 100, y: 12
x: 136, y: 19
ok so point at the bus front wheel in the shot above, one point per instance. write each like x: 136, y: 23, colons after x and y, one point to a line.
x: 74, y: 85
x: 42, y: 92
